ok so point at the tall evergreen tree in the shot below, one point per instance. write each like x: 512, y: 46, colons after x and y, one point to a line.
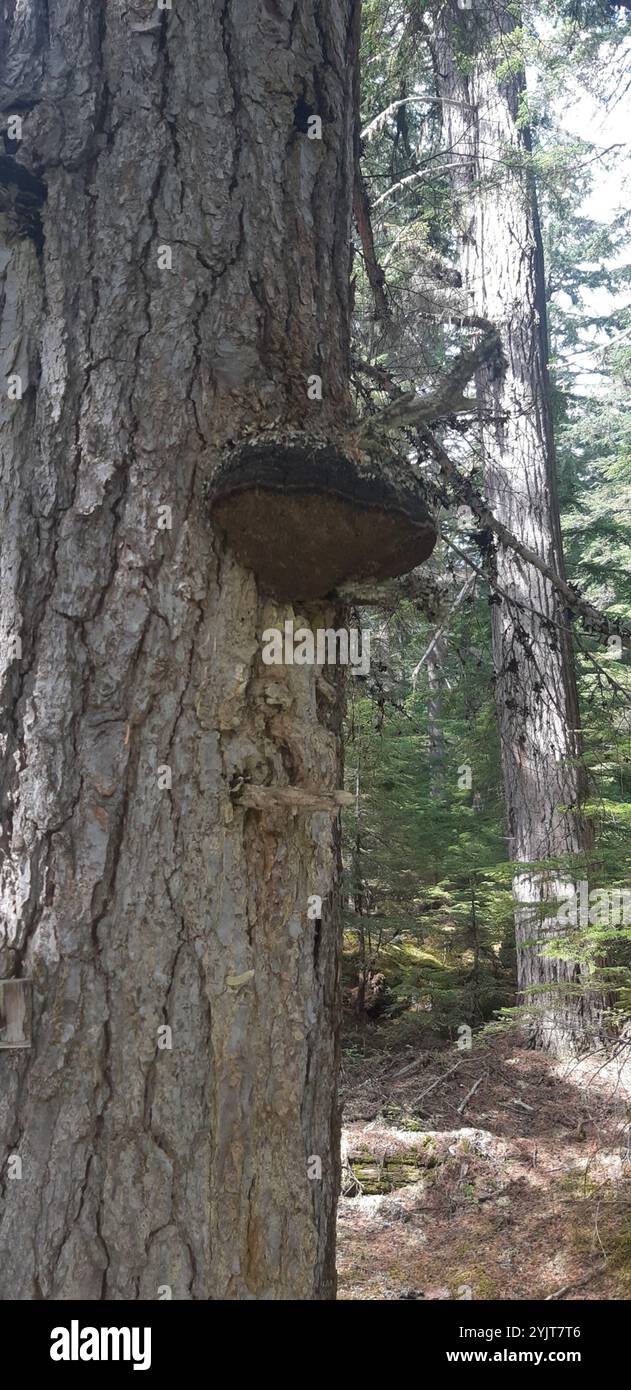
x: 482, y: 85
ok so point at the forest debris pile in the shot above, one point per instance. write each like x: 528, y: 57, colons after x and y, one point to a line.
x: 528, y: 1196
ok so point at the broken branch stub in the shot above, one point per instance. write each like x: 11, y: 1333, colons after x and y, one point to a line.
x: 306, y: 517
x: 293, y: 799
x: 16, y: 1009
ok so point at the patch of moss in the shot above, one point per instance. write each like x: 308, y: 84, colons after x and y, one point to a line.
x: 578, y: 1183
x: 614, y: 1240
x: 476, y: 1278
x: 619, y: 1254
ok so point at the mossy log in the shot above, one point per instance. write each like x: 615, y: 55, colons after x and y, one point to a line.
x: 306, y: 516
x: 376, y: 1175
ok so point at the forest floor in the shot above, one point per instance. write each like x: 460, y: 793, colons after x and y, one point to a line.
x: 520, y: 1191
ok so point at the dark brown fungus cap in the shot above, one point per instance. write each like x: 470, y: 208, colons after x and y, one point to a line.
x: 305, y: 517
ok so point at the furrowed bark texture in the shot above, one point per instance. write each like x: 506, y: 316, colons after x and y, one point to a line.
x: 503, y: 275
x: 133, y: 905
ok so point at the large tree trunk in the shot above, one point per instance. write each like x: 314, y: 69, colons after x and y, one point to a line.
x: 503, y: 278
x: 131, y: 904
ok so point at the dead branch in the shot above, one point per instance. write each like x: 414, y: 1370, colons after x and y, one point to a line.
x: 463, y: 1104
x: 578, y: 1283
x: 592, y: 618
x: 466, y: 589
x: 436, y: 1083
x: 411, y: 410
x: 376, y: 276
x: 408, y: 409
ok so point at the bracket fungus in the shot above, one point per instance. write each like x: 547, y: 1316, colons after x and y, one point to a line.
x: 306, y: 516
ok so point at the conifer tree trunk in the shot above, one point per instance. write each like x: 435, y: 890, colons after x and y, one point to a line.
x: 174, y: 264
x: 482, y: 85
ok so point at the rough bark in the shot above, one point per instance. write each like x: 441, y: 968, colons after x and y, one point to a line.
x: 502, y: 268
x: 132, y: 905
